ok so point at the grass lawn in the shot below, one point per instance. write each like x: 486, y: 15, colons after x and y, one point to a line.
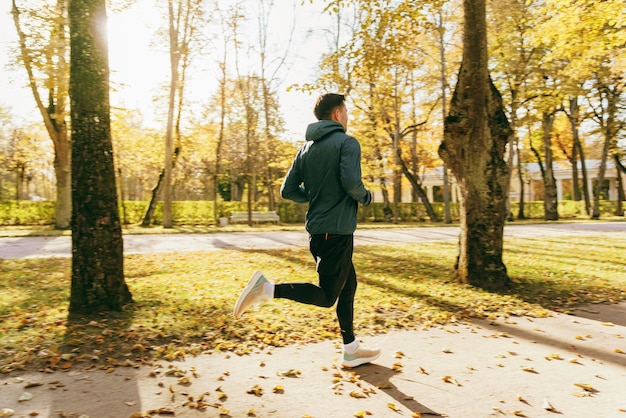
x: 183, y: 302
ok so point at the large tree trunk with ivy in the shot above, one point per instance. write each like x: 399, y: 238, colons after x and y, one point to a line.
x: 97, y: 247
x: 476, y: 132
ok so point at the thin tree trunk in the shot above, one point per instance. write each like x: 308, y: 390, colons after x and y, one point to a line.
x: 619, y: 209
x: 418, y: 189
x: 595, y: 214
x: 550, y: 198
x: 444, y: 111
x: 574, y: 117
x: 54, y: 115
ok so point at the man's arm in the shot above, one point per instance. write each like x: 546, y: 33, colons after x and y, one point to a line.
x: 292, y: 188
x: 350, y: 171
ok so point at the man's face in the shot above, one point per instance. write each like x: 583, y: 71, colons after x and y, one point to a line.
x: 341, y: 115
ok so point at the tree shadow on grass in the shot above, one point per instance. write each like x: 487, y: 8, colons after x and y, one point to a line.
x: 410, y: 274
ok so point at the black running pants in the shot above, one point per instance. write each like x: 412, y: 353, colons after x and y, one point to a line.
x: 337, y: 280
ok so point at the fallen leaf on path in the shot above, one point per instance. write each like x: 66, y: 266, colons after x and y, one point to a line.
x: 26, y: 396
x: 7, y: 412
x: 278, y: 389
x: 255, y: 390
x: 586, y: 387
x: 548, y: 406
x: 450, y: 379
x: 289, y: 373
x: 358, y: 395
x: 392, y: 406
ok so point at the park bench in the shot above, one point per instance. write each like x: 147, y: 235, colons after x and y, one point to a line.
x: 257, y: 216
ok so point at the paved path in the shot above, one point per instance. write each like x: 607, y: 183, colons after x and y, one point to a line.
x: 31, y: 247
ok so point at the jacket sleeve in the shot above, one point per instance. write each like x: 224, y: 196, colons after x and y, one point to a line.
x: 350, y: 171
x: 292, y: 187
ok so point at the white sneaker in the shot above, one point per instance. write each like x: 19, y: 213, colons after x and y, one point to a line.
x: 362, y: 355
x: 252, y: 294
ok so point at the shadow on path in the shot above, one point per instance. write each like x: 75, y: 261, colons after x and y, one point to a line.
x: 379, y: 377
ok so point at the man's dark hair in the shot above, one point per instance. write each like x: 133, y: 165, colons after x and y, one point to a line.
x: 326, y: 103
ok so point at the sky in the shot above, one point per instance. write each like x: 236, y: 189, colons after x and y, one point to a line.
x: 140, y: 66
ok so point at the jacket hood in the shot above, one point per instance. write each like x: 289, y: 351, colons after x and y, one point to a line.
x: 320, y: 129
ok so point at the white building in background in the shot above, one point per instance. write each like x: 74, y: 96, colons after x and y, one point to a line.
x: 533, y: 182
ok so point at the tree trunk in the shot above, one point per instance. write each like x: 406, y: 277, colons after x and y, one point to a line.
x: 418, y: 188
x: 54, y: 115
x: 444, y: 111
x: 550, y: 198
x: 475, y: 138
x: 573, y: 116
x: 97, y: 247
x: 619, y: 209
x: 154, y: 197
x: 520, y: 176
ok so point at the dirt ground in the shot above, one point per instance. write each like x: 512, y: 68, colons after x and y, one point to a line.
x: 560, y: 366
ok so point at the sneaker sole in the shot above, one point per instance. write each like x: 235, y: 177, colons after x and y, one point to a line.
x: 245, y: 293
x: 359, y: 362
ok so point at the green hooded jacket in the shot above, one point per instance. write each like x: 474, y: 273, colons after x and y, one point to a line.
x: 326, y: 173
